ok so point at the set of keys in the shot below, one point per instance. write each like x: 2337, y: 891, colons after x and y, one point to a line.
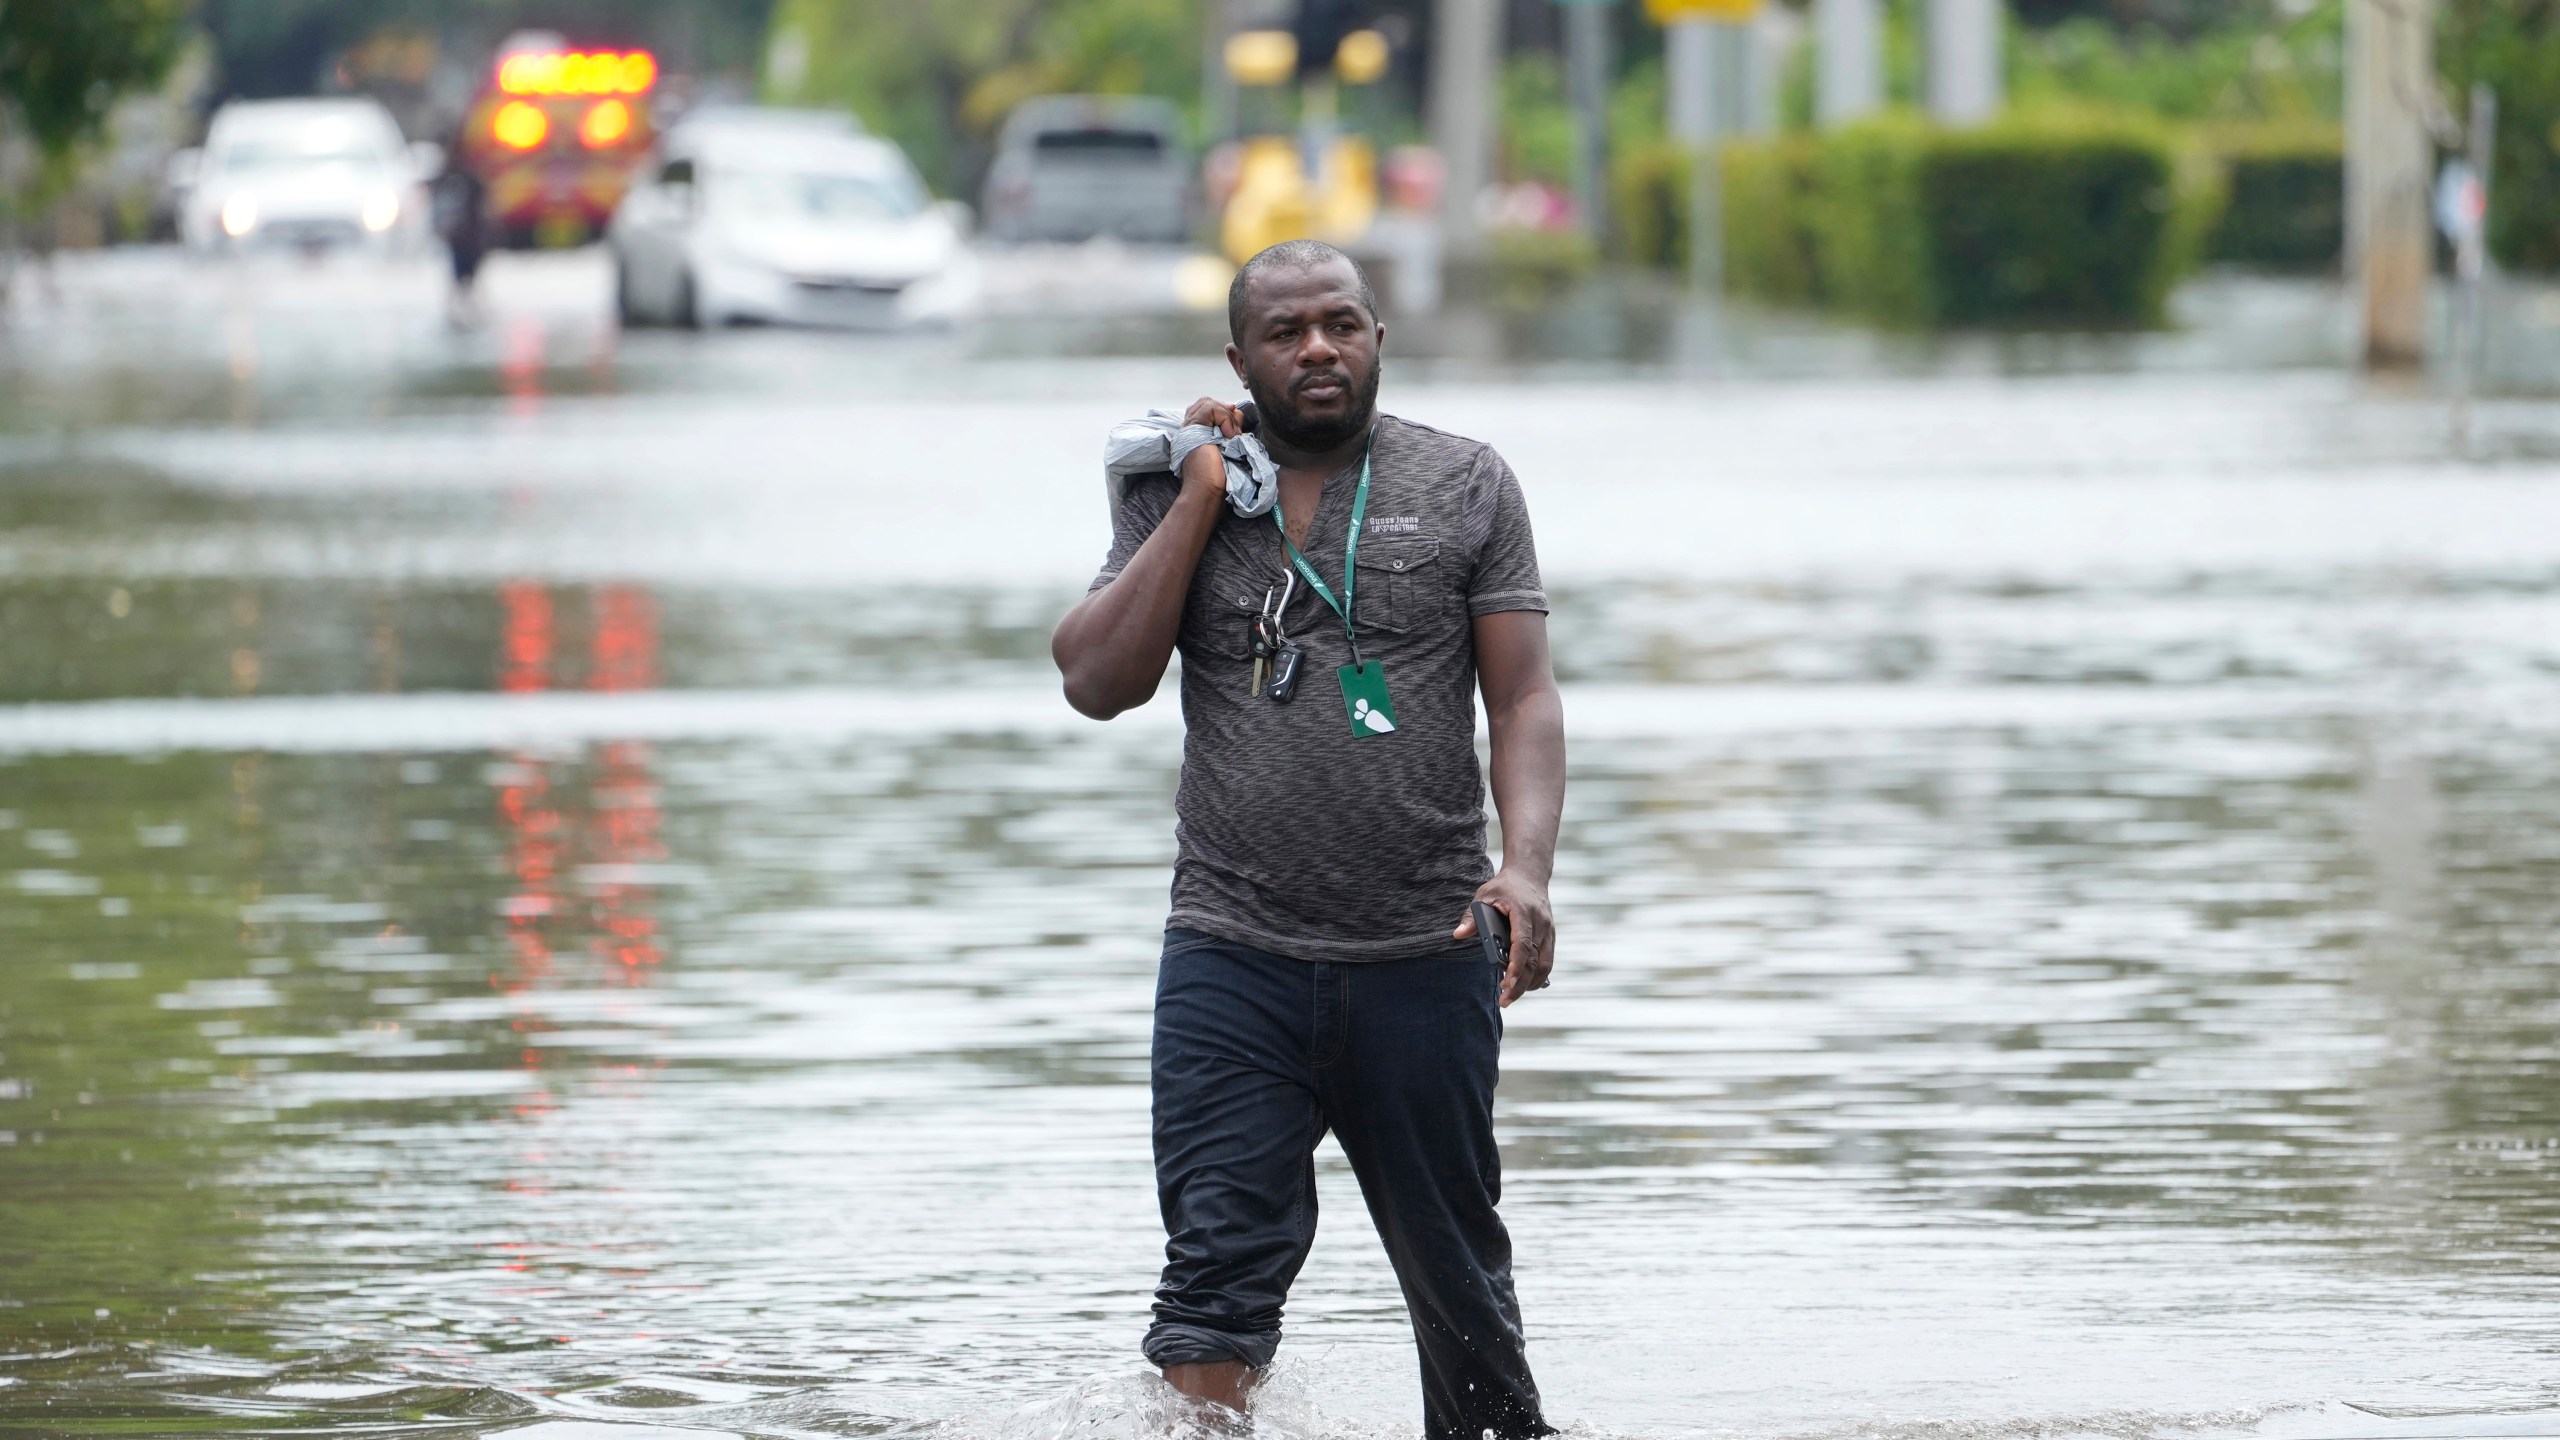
x: 1276, y: 658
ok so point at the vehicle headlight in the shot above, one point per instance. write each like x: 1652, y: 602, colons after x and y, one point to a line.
x: 381, y: 210
x: 239, y: 216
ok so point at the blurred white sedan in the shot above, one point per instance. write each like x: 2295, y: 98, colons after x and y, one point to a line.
x: 304, y: 174
x: 773, y: 218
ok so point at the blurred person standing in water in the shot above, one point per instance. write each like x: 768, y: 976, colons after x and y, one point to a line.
x: 1321, y: 966
x: 461, y: 207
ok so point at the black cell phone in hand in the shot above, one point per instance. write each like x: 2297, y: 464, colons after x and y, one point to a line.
x: 1493, y: 932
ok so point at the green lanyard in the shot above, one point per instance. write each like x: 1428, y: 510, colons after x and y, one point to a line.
x: 1350, y: 557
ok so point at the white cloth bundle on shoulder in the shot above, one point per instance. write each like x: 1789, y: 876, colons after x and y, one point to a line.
x: 1158, y: 440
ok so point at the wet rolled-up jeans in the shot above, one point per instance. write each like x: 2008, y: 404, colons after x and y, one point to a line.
x: 1256, y: 1057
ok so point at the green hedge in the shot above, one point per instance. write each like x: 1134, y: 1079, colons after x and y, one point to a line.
x: 1768, y: 252
x: 1649, y: 184
x: 1534, y: 267
x: 2078, y: 223
x: 2288, y: 197
x: 1768, y: 235
x: 1871, y: 249
x: 2037, y: 220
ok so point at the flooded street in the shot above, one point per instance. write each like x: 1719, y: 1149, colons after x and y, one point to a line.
x: 546, y: 886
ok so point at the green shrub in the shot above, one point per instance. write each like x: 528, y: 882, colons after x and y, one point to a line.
x: 2039, y: 219
x: 2072, y: 220
x: 2251, y: 59
x: 1536, y: 132
x: 1768, y: 237
x: 2287, y: 208
x: 1871, y: 249
x: 1768, y: 251
x: 1649, y: 186
x: 1532, y: 267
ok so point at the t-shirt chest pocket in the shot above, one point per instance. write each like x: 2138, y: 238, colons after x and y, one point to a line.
x: 1401, y: 584
x: 1225, y: 596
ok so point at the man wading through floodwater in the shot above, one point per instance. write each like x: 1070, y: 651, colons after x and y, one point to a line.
x: 1320, y: 969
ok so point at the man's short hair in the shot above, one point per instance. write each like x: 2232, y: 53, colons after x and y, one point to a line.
x: 1290, y: 255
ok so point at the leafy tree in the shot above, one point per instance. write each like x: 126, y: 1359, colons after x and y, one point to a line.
x: 281, y: 47
x: 63, y: 63
x: 2180, y: 19
x: 2513, y: 46
x: 939, y: 78
x: 2262, y: 61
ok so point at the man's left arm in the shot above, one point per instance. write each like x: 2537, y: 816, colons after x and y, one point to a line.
x: 1526, y: 718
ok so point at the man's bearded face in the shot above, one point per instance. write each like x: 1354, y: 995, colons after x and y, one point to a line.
x: 1310, y: 356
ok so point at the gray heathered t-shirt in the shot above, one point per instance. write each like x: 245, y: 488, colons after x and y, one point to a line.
x: 1295, y: 835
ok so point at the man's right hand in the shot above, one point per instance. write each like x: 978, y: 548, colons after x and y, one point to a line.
x: 1204, y: 411
x: 1112, y: 648
x: 1205, y: 468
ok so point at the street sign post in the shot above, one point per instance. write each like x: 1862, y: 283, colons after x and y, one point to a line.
x: 2462, y: 212
x: 1695, y: 31
x: 1586, y: 63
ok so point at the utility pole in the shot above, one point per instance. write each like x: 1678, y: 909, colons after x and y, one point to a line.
x: 2462, y: 210
x: 2472, y: 260
x: 1689, y: 62
x: 1218, y: 100
x: 1586, y: 65
x: 1963, y: 60
x: 1739, y: 81
x: 1849, y: 54
x: 2390, y: 249
x: 1466, y: 62
x: 1710, y: 51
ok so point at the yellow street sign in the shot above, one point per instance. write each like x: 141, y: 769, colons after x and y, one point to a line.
x: 1674, y: 12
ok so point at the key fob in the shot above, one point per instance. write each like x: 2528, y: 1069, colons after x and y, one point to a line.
x: 1284, y: 673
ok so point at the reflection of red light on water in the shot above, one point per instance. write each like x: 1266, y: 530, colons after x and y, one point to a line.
x: 532, y: 824
x: 619, y: 831
x: 533, y: 858
x: 626, y: 639
x: 626, y: 793
x: 627, y: 818
x: 581, y: 839
x: 520, y: 363
x: 524, y: 651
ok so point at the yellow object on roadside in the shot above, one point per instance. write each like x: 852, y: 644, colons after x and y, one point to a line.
x: 1347, y: 200
x: 1200, y: 282
x: 1271, y: 201
x: 1673, y: 12
x: 1275, y: 199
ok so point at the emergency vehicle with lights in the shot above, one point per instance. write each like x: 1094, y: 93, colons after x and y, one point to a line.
x: 556, y: 138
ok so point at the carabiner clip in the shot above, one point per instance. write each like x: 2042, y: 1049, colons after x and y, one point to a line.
x: 1286, y: 589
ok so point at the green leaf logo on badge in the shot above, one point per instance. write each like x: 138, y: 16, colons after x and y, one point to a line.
x: 1364, y: 698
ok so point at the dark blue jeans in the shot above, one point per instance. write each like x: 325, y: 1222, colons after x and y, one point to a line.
x: 1256, y: 1056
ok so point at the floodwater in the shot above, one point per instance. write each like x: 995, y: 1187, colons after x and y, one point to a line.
x: 544, y: 887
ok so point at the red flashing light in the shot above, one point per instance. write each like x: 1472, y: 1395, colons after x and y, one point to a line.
x: 578, y: 72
